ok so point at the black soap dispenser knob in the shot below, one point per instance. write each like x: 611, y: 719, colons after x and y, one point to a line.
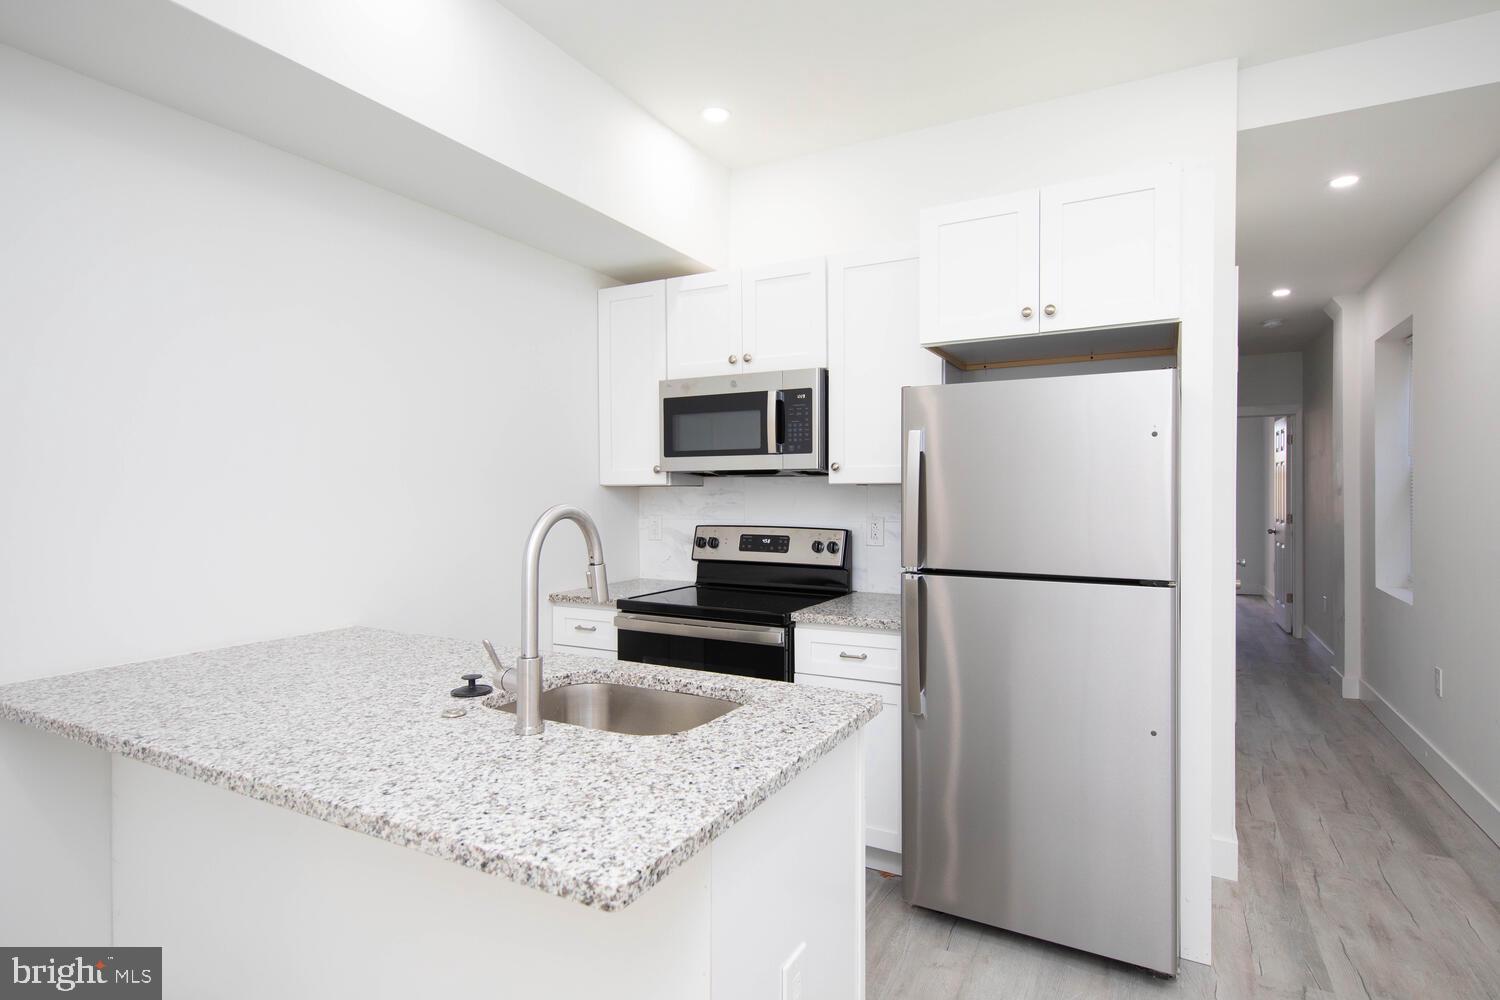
x: 473, y: 689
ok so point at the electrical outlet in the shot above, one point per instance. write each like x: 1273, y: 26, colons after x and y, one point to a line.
x: 1437, y: 680
x: 791, y: 974
x: 875, y: 530
x: 653, y: 528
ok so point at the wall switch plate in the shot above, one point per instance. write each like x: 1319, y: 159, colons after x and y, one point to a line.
x: 791, y: 974
x: 1437, y: 680
x: 653, y: 527
x: 875, y: 530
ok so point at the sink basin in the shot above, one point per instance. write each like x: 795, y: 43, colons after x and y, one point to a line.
x: 625, y: 708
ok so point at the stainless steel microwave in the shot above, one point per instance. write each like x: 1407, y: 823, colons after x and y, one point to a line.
x: 765, y: 423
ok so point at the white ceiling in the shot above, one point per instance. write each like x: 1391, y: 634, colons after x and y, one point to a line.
x: 1294, y: 231
x: 801, y: 75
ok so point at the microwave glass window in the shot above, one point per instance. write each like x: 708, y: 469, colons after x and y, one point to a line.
x: 730, y: 430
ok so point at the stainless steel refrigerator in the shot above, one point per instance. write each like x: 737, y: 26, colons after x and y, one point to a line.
x: 1039, y: 671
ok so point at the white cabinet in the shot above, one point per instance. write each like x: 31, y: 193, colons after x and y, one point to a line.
x: 873, y: 351
x: 866, y: 661
x: 1109, y: 252
x: 980, y: 269
x: 632, y: 360
x: 703, y: 324
x: 1089, y: 254
x: 759, y: 320
x: 584, y: 631
x: 785, y: 316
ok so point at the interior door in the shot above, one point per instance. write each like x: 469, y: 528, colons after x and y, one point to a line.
x: 1109, y: 252
x: 1281, y: 522
x: 979, y: 269
x: 1038, y: 773
x: 785, y: 310
x: 703, y: 325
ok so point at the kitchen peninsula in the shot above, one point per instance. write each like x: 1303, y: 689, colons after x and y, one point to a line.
x: 305, y: 812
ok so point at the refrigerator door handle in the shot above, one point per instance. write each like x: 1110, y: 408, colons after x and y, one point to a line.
x: 911, y: 498
x: 913, y: 670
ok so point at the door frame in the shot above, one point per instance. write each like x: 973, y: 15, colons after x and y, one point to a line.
x: 1294, y: 490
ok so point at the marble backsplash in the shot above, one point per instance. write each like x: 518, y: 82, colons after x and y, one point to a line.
x: 668, y: 515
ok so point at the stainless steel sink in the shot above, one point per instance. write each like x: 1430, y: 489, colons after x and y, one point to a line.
x: 625, y: 708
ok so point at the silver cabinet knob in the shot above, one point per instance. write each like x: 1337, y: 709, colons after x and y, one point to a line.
x: 1050, y: 310
x: 747, y: 359
x: 1026, y: 313
x: 655, y: 468
x: 834, y: 467
x: 734, y: 359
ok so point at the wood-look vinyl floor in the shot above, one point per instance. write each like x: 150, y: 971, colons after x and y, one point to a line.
x: 1360, y: 879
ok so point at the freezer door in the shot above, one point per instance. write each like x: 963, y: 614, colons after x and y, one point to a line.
x: 1067, y: 476
x: 1038, y: 764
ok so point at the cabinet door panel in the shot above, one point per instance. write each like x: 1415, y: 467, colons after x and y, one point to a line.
x: 1110, y: 252
x: 873, y: 350
x: 882, y: 761
x: 632, y: 360
x: 703, y: 324
x: 785, y: 316
x: 979, y: 269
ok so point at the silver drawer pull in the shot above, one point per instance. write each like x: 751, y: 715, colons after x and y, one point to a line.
x: 853, y: 656
x: 586, y: 628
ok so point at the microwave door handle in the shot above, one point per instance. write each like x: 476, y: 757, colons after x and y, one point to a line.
x: 911, y: 498
x: 773, y: 421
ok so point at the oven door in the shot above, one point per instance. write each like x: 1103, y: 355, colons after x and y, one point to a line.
x: 722, y: 647
x: 722, y: 424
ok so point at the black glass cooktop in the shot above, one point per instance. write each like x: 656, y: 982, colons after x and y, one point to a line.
x: 731, y: 604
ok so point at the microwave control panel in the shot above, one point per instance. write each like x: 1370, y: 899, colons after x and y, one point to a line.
x: 797, y: 405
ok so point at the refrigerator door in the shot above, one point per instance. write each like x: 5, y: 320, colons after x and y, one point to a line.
x: 1066, y: 476
x: 1038, y: 763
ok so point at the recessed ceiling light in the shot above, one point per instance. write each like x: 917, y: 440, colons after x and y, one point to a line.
x: 1344, y: 181
x: 1271, y: 324
x: 1280, y: 293
x: 716, y: 116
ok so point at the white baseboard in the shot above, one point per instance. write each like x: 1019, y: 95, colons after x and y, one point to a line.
x: 883, y: 861
x: 1480, y: 807
x: 1331, y: 658
x: 1224, y: 861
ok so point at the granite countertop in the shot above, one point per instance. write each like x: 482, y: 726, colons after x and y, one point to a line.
x: 617, y: 589
x: 345, y: 726
x: 856, y: 610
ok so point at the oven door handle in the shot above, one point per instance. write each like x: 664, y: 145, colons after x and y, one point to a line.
x: 760, y: 635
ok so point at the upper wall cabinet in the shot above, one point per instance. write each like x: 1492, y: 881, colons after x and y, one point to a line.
x: 763, y: 319
x: 872, y: 352
x: 703, y: 324
x: 785, y: 316
x: 1097, y: 253
x: 1110, y: 252
x: 980, y: 269
x: 632, y: 360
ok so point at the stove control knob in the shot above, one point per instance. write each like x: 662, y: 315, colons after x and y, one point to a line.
x: 713, y: 543
x: 817, y: 546
x: 700, y: 541
x: 833, y: 548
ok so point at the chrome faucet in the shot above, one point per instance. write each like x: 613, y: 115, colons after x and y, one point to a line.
x: 524, y: 680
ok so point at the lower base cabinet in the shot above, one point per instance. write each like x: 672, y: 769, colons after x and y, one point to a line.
x: 868, y: 662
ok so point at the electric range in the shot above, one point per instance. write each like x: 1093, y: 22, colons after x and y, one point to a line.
x: 737, y: 617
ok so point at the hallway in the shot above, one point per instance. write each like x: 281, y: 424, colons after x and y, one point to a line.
x: 1359, y: 877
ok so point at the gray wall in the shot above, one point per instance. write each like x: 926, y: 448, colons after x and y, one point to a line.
x: 1323, y: 502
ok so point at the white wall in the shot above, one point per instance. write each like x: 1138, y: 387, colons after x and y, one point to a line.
x: 1445, y: 281
x: 871, y: 192
x: 1252, y: 514
x: 244, y: 396
x: 1323, y: 502
x: 676, y: 510
x: 1271, y: 379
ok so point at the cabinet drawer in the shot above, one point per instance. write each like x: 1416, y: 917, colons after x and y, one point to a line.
x: 581, y: 626
x: 853, y: 654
